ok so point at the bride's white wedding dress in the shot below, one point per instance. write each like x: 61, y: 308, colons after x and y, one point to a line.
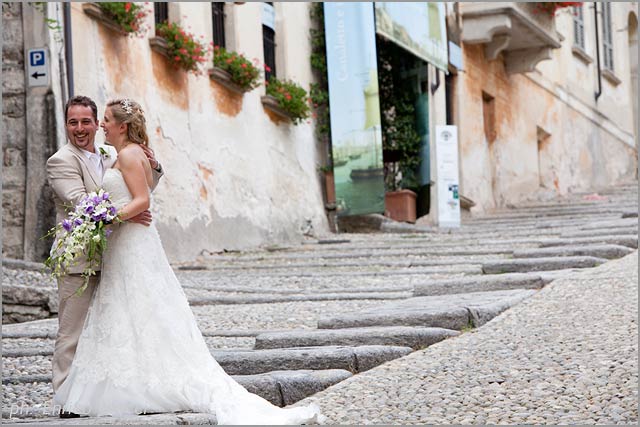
x: 141, y: 349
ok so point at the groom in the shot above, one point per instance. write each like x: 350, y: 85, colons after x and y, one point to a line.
x: 75, y: 170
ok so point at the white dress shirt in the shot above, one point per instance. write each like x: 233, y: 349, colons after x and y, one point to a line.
x: 96, y: 161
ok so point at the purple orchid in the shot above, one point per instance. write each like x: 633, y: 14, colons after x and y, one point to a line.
x: 66, y: 225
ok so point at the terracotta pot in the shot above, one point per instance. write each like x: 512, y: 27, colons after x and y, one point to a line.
x: 401, y: 205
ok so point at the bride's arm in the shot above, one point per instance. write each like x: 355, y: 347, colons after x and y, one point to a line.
x: 131, y: 164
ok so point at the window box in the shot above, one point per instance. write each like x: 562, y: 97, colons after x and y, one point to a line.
x: 581, y: 54
x: 224, y: 78
x: 271, y: 103
x: 612, y: 78
x: 159, y: 44
x: 95, y: 12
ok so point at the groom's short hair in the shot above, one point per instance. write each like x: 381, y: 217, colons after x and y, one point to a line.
x: 84, y: 101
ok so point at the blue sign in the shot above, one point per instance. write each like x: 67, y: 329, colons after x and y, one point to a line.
x: 36, y: 58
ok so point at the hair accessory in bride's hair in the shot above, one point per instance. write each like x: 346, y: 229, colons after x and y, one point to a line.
x: 126, y: 106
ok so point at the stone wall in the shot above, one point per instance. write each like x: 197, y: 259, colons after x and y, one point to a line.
x: 14, y: 140
x: 29, y: 138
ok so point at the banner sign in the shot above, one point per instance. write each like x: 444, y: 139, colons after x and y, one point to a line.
x: 418, y: 27
x: 356, y: 134
x: 447, y: 176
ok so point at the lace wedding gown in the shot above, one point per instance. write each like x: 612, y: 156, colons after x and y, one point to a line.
x: 141, y: 349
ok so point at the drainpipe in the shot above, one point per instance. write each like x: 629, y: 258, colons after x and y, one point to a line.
x: 595, y: 19
x: 68, y: 53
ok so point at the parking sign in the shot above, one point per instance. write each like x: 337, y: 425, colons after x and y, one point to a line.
x: 37, y: 67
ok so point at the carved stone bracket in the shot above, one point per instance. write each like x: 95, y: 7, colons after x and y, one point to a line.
x: 496, y: 45
x: 525, y: 60
x: 512, y: 29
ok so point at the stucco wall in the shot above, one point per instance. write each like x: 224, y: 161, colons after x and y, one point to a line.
x: 590, y: 144
x: 234, y: 177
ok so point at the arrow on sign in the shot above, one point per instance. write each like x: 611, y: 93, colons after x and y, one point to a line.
x: 36, y: 75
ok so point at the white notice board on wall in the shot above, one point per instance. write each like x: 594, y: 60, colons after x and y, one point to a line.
x: 447, y: 176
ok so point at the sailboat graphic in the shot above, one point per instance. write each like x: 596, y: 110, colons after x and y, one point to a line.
x: 371, y: 124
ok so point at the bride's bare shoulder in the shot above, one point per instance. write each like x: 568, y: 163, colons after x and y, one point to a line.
x: 131, y: 152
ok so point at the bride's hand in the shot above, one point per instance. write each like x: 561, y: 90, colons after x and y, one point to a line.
x: 143, y: 218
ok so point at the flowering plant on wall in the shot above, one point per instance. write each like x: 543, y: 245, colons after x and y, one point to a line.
x: 291, y: 98
x: 183, y: 49
x: 551, y: 7
x: 242, y: 72
x: 127, y: 15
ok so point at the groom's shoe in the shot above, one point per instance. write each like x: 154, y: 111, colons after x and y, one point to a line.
x: 67, y: 414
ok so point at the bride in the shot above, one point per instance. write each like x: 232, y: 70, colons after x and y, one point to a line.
x: 141, y: 350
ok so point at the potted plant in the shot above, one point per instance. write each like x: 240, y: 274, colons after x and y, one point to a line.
x: 234, y: 71
x: 400, y: 139
x: 287, y: 99
x: 126, y: 18
x: 181, y: 48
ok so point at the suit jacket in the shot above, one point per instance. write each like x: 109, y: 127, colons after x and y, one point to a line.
x: 72, y: 176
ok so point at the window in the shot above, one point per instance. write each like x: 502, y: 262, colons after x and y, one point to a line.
x: 217, y: 15
x: 607, y: 36
x: 489, y: 117
x: 269, y: 39
x: 578, y: 27
x: 161, y: 12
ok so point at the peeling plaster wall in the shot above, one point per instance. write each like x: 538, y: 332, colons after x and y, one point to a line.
x: 590, y: 145
x: 234, y: 177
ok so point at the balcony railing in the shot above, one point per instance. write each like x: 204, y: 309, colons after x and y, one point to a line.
x: 522, y: 33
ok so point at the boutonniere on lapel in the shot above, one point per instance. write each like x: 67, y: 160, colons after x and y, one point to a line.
x: 104, y: 153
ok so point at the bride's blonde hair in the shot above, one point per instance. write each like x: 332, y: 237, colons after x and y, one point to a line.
x: 129, y: 112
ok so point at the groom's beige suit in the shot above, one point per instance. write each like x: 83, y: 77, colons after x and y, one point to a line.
x: 71, y: 176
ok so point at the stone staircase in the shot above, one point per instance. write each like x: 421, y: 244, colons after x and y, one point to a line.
x: 289, y: 322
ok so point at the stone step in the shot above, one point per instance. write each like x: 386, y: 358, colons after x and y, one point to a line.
x: 404, y: 336
x: 279, y: 387
x: 598, y: 225
x: 630, y: 241
x: 389, y: 251
x: 361, y: 262
x: 525, y: 265
x: 455, y: 312
x: 461, y: 269
x: 352, y: 359
x: 570, y: 212
x: 263, y: 299
x: 598, y: 251
x: 605, y: 232
x: 479, y: 283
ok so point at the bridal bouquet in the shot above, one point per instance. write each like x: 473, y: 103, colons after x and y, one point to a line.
x: 84, y: 232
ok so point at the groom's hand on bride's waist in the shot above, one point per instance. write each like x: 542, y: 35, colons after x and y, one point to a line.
x: 143, y: 218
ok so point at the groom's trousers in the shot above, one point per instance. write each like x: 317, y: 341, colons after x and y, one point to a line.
x: 72, y: 312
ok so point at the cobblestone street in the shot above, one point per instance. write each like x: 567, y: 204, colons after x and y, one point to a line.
x: 525, y: 316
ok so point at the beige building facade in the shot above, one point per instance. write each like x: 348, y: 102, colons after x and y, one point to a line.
x: 236, y: 174
x: 538, y: 112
